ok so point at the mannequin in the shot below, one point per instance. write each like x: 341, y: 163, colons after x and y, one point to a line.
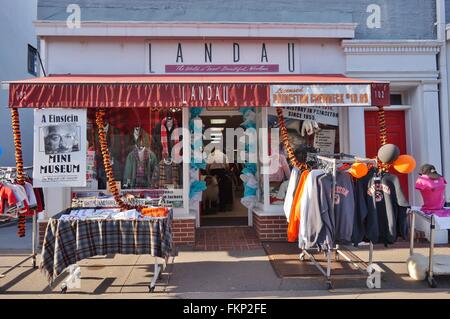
x: 140, y: 165
x: 432, y: 188
x: 169, y: 174
x: 168, y: 140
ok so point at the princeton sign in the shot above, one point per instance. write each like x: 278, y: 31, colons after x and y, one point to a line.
x: 320, y: 95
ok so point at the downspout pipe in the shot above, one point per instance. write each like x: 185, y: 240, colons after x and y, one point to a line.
x: 444, y: 103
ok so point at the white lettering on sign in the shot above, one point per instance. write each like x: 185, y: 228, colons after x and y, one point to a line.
x: 197, y: 93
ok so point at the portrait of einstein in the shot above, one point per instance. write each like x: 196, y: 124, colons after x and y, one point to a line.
x: 61, y: 139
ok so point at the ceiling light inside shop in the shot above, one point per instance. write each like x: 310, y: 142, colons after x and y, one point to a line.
x: 217, y: 129
x: 218, y: 121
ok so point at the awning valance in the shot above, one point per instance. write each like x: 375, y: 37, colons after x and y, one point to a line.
x: 106, y: 91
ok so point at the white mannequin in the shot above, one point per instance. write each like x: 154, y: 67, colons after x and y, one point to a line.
x: 106, y: 128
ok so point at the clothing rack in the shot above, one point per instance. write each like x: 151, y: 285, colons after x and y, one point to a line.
x: 9, y: 173
x: 334, y: 160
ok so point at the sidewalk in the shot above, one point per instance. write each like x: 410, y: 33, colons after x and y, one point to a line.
x: 215, y: 274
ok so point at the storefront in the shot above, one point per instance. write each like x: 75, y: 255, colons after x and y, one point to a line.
x: 178, y: 60
x: 142, y: 112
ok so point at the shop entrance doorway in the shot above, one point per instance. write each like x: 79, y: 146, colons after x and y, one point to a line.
x: 395, y: 122
x: 221, y: 201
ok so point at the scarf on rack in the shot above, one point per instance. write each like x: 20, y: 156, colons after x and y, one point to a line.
x: 165, y: 137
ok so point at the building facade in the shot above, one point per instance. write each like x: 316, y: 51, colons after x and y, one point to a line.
x: 16, y: 32
x: 373, y: 40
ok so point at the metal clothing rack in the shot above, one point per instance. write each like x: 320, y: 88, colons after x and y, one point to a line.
x: 334, y: 160
x: 9, y: 173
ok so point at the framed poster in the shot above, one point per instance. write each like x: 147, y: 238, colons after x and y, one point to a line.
x: 60, y: 147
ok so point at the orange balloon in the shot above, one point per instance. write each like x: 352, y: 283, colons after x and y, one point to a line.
x: 358, y: 170
x: 405, y: 164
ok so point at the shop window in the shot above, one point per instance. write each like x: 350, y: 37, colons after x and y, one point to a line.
x: 396, y: 99
x: 32, y: 60
x: 308, y: 134
x: 145, y: 160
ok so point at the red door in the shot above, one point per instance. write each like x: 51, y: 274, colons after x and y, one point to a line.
x: 395, y: 122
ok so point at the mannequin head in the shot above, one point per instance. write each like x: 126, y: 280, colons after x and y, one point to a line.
x: 429, y: 170
x: 169, y: 122
x: 136, y: 133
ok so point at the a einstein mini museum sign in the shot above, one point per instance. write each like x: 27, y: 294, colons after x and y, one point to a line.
x: 59, y: 148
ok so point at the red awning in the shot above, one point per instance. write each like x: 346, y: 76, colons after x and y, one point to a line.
x: 105, y: 91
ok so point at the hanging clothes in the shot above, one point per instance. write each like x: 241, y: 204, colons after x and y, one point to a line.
x: 139, y: 168
x: 282, y: 171
x: 167, y: 140
x: 361, y: 220
x: 7, y: 198
x: 338, y: 222
x: 294, y: 217
x: 387, y: 209
x: 292, y: 186
x: 310, y: 219
x: 169, y: 174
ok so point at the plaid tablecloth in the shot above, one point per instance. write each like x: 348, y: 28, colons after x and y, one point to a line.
x: 68, y: 241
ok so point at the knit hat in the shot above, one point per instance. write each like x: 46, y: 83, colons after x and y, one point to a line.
x: 429, y: 170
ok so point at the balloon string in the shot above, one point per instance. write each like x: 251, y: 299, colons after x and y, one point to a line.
x: 287, y: 145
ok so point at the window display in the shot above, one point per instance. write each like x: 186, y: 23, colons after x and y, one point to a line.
x: 140, y: 143
x: 307, y: 134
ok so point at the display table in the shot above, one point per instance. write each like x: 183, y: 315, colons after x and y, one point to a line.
x: 66, y: 242
x: 435, y: 223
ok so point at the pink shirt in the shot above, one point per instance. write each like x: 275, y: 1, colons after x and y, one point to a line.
x: 432, y: 191
x: 282, y: 171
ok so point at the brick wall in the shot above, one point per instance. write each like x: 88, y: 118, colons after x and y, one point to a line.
x: 270, y: 228
x: 42, y: 225
x: 183, y: 231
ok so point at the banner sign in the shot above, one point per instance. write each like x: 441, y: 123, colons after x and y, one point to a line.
x: 91, y: 95
x: 59, y: 148
x: 320, y: 95
x: 326, y: 115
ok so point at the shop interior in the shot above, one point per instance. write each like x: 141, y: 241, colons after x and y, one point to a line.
x: 221, y: 201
